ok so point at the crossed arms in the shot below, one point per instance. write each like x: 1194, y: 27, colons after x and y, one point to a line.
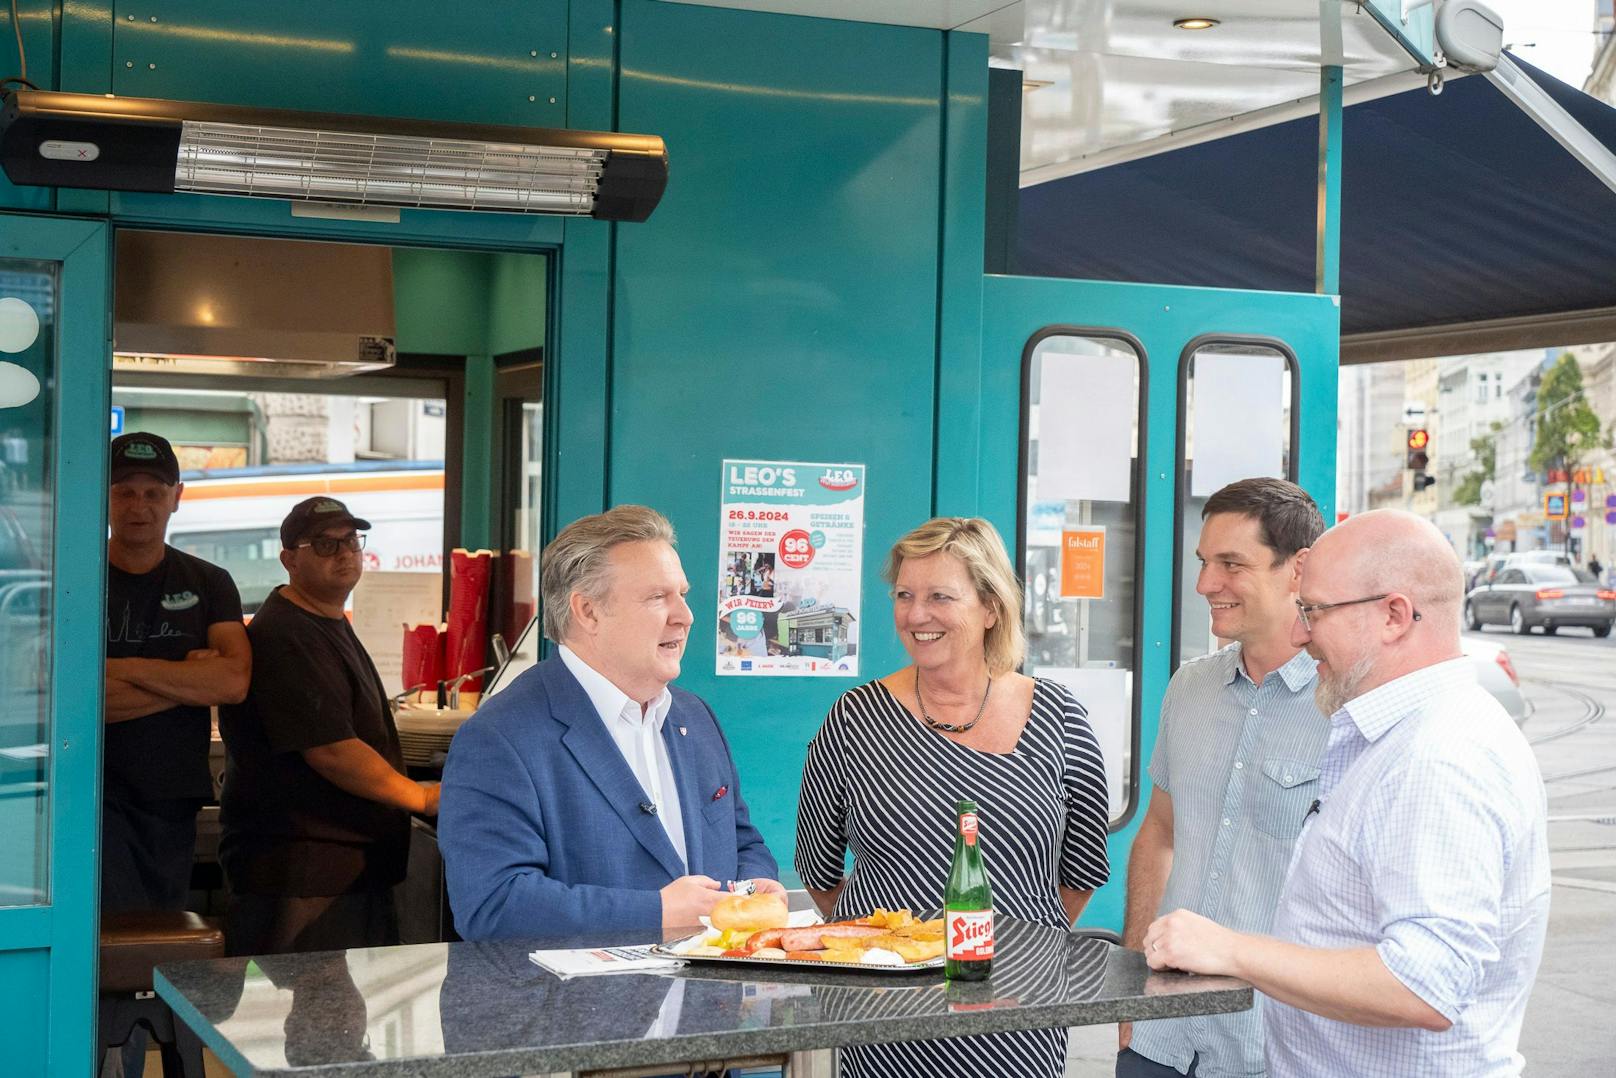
x: 216, y: 674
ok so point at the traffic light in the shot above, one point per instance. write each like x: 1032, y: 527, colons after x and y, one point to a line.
x: 1419, y: 458
x: 1419, y: 454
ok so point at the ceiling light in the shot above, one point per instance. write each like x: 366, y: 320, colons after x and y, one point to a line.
x: 1197, y: 23
x: 144, y: 144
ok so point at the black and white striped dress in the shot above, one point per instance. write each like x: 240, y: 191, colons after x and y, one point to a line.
x: 879, y: 782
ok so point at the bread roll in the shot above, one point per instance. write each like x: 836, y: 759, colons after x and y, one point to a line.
x: 749, y: 913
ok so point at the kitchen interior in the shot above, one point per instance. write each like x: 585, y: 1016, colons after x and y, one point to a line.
x: 406, y: 382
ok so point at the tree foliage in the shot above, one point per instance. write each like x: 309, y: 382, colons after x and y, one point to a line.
x: 1485, y: 451
x: 1568, y: 428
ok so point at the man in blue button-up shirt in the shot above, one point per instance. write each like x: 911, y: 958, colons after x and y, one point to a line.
x: 1412, y: 920
x: 1235, y: 766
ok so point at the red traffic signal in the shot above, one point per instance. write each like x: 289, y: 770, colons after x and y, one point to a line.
x: 1419, y: 457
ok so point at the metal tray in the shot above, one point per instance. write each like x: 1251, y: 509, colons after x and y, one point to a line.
x: 666, y: 950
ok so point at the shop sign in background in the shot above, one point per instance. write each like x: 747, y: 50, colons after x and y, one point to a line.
x: 790, y: 561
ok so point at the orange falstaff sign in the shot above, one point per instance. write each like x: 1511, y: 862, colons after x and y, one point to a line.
x: 1083, y: 563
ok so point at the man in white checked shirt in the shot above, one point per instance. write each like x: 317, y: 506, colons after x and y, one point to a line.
x: 1412, y: 920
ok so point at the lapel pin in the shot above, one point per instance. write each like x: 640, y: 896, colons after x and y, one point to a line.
x: 720, y: 792
x: 681, y: 731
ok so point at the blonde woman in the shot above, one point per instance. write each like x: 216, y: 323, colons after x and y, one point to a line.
x: 894, y: 755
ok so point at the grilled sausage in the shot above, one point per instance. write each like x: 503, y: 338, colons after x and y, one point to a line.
x: 808, y: 939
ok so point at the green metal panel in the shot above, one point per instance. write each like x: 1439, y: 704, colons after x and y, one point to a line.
x: 578, y: 373
x: 421, y: 58
x: 517, y: 301
x: 440, y: 301
x: 1164, y: 319
x: 49, y: 954
x: 36, y: 19
x: 959, y: 322
x: 781, y: 303
x: 23, y: 975
x: 477, y: 455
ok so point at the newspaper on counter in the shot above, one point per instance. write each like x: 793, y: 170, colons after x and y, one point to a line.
x: 594, y: 961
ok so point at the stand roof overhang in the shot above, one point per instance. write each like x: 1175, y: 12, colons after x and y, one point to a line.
x: 1480, y: 219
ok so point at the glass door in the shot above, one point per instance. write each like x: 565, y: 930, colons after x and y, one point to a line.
x: 54, y: 422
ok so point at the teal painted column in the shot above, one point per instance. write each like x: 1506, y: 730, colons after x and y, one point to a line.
x: 477, y: 455
x: 957, y: 431
x: 84, y: 66
x: 577, y: 390
x: 1327, y: 263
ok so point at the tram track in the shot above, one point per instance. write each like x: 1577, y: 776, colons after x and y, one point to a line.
x: 1593, y: 711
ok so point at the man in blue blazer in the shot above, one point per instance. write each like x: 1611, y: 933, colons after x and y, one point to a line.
x: 591, y: 801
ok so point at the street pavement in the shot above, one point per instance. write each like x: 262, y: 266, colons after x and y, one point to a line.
x: 1569, y: 682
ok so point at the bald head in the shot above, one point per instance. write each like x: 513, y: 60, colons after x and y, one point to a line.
x: 1384, y: 553
x: 1389, y: 550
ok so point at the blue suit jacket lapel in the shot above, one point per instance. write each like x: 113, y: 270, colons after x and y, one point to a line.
x: 602, y: 763
x: 683, y: 756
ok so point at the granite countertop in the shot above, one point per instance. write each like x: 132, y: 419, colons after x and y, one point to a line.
x: 473, y: 1009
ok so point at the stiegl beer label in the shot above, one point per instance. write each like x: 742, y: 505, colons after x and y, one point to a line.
x: 967, y: 827
x: 970, y: 935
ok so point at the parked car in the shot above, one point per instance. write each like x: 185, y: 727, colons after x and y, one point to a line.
x: 1538, y: 595
x: 1496, y: 674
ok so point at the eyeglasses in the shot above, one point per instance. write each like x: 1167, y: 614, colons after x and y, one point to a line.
x: 325, y: 546
x: 1305, y: 610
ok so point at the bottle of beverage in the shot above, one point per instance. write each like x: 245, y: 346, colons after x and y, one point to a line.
x: 968, y: 906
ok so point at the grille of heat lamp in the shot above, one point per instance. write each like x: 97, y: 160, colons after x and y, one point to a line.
x: 386, y: 170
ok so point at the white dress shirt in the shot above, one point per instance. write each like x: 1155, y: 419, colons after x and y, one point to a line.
x: 1430, y: 845
x: 638, y: 735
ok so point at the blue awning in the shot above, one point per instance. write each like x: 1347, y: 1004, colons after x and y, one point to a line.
x: 1457, y: 211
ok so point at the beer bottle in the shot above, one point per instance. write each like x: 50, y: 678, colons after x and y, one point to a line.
x: 968, y: 906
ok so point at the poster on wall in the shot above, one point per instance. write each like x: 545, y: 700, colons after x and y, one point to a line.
x: 1083, y: 562
x: 790, y: 566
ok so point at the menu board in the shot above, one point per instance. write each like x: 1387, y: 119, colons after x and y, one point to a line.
x: 790, y: 567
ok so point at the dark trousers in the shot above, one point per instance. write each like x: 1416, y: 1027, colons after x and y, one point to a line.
x: 146, y: 853
x: 281, y: 924
x: 1131, y: 1064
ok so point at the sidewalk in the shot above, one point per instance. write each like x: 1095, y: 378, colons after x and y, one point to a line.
x: 1571, y: 1021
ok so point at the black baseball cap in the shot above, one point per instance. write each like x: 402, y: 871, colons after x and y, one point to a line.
x: 316, y: 514
x: 138, y: 452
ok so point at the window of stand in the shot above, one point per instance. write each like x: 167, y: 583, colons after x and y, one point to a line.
x: 1080, y: 530
x: 29, y: 301
x: 1237, y: 415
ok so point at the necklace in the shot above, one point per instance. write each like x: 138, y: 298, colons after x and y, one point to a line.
x: 951, y: 727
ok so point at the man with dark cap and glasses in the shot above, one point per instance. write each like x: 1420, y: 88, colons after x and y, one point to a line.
x: 175, y: 647
x: 315, y: 810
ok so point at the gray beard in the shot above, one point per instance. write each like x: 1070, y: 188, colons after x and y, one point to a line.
x: 1333, y: 690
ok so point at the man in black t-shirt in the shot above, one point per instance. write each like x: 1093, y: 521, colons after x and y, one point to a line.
x: 175, y: 646
x: 316, y: 805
